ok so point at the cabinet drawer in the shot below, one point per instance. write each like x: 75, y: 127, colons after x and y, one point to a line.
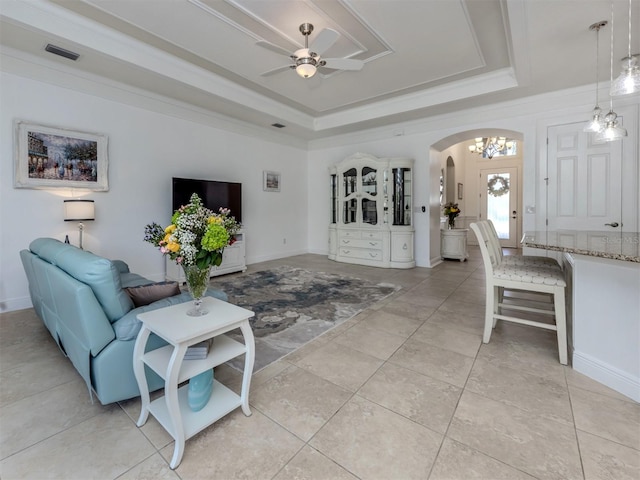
x: 359, y: 243
x: 350, y: 233
x: 372, y: 235
x: 361, y: 253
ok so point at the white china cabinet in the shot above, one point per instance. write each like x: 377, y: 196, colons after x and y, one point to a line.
x: 371, y: 212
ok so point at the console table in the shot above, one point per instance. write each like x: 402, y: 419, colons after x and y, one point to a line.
x: 181, y: 331
x: 453, y: 243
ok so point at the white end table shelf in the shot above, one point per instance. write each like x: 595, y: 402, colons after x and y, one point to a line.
x: 181, y: 331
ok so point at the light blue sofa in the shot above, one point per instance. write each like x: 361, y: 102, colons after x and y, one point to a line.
x: 80, y: 298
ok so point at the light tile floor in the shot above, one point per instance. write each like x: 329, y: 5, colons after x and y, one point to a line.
x: 403, y: 390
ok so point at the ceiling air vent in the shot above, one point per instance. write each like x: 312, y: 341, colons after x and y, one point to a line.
x: 62, y: 52
x: 277, y: 125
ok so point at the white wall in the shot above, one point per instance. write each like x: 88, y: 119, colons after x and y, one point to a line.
x: 426, y: 140
x: 145, y: 150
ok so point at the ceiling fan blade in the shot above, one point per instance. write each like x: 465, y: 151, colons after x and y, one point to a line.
x: 323, y: 41
x: 276, y: 70
x: 343, y: 63
x: 273, y: 48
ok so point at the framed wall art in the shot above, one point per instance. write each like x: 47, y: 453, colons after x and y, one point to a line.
x: 460, y: 191
x: 51, y: 157
x: 270, y: 181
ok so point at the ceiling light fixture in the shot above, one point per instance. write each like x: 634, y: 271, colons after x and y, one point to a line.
x: 596, y: 124
x: 611, y: 131
x: 306, y: 66
x: 490, y: 146
x: 306, y: 62
x: 629, y: 79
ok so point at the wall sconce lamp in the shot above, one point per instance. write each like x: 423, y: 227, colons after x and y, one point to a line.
x: 79, y: 211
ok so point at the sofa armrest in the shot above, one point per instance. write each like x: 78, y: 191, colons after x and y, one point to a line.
x: 121, y: 266
x: 81, y: 317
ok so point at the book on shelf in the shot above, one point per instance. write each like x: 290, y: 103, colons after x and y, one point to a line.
x: 199, y: 350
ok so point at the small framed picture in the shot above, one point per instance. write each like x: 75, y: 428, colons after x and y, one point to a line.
x: 459, y: 191
x: 270, y: 181
x: 51, y: 157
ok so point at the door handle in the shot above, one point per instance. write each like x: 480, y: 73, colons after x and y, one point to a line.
x: 613, y: 224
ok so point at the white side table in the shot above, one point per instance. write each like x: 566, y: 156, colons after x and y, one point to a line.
x: 180, y: 331
x: 453, y: 243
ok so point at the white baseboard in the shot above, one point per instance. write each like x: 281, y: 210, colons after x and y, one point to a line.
x: 607, y: 375
x: 15, y: 304
x: 435, y: 261
x: 276, y: 256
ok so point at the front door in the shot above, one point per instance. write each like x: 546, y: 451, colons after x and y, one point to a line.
x: 499, y: 202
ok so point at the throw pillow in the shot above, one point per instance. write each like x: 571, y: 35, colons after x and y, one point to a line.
x: 146, y: 294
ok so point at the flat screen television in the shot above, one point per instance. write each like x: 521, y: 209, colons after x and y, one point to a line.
x: 214, y: 194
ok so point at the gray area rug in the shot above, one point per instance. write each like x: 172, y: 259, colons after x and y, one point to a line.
x: 293, y: 306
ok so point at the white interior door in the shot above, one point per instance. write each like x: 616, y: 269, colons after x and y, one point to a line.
x: 585, y: 181
x: 499, y: 202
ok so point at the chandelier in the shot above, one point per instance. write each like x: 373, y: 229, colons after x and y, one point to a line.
x: 488, y: 147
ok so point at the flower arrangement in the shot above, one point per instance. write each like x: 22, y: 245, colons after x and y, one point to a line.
x: 451, y: 210
x: 196, y: 236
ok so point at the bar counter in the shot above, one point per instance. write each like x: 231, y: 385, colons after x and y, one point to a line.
x: 602, y: 270
x: 623, y: 246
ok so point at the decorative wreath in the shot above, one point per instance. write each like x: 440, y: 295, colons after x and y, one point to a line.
x: 498, y: 186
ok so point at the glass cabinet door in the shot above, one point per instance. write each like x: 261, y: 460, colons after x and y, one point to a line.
x: 401, y: 199
x: 333, y: 185
x: 350, y: 181
x: 350, y: 211
x: 370, y: 189
x: 350, y: 203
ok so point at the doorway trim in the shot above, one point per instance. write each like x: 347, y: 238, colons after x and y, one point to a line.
x: 435, y: 158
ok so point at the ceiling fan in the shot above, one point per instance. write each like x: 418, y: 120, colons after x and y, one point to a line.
x: 307, y: 60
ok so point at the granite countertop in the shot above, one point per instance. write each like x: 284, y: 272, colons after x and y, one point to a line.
x: 623, y: 246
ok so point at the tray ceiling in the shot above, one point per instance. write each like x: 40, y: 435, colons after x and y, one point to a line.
x: 420, y: 57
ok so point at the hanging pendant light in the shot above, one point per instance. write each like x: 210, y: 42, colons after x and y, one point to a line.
x: 596, y: 124
x: 612, y: 130
x: 629, y: 79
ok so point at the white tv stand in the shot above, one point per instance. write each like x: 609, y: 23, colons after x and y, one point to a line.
x: 233, y: 260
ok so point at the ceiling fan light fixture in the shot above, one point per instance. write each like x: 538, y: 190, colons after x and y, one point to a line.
x: 307, y: 60
x: 306, y: 69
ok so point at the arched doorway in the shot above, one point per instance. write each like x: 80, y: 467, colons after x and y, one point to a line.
x: 469, y: 187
